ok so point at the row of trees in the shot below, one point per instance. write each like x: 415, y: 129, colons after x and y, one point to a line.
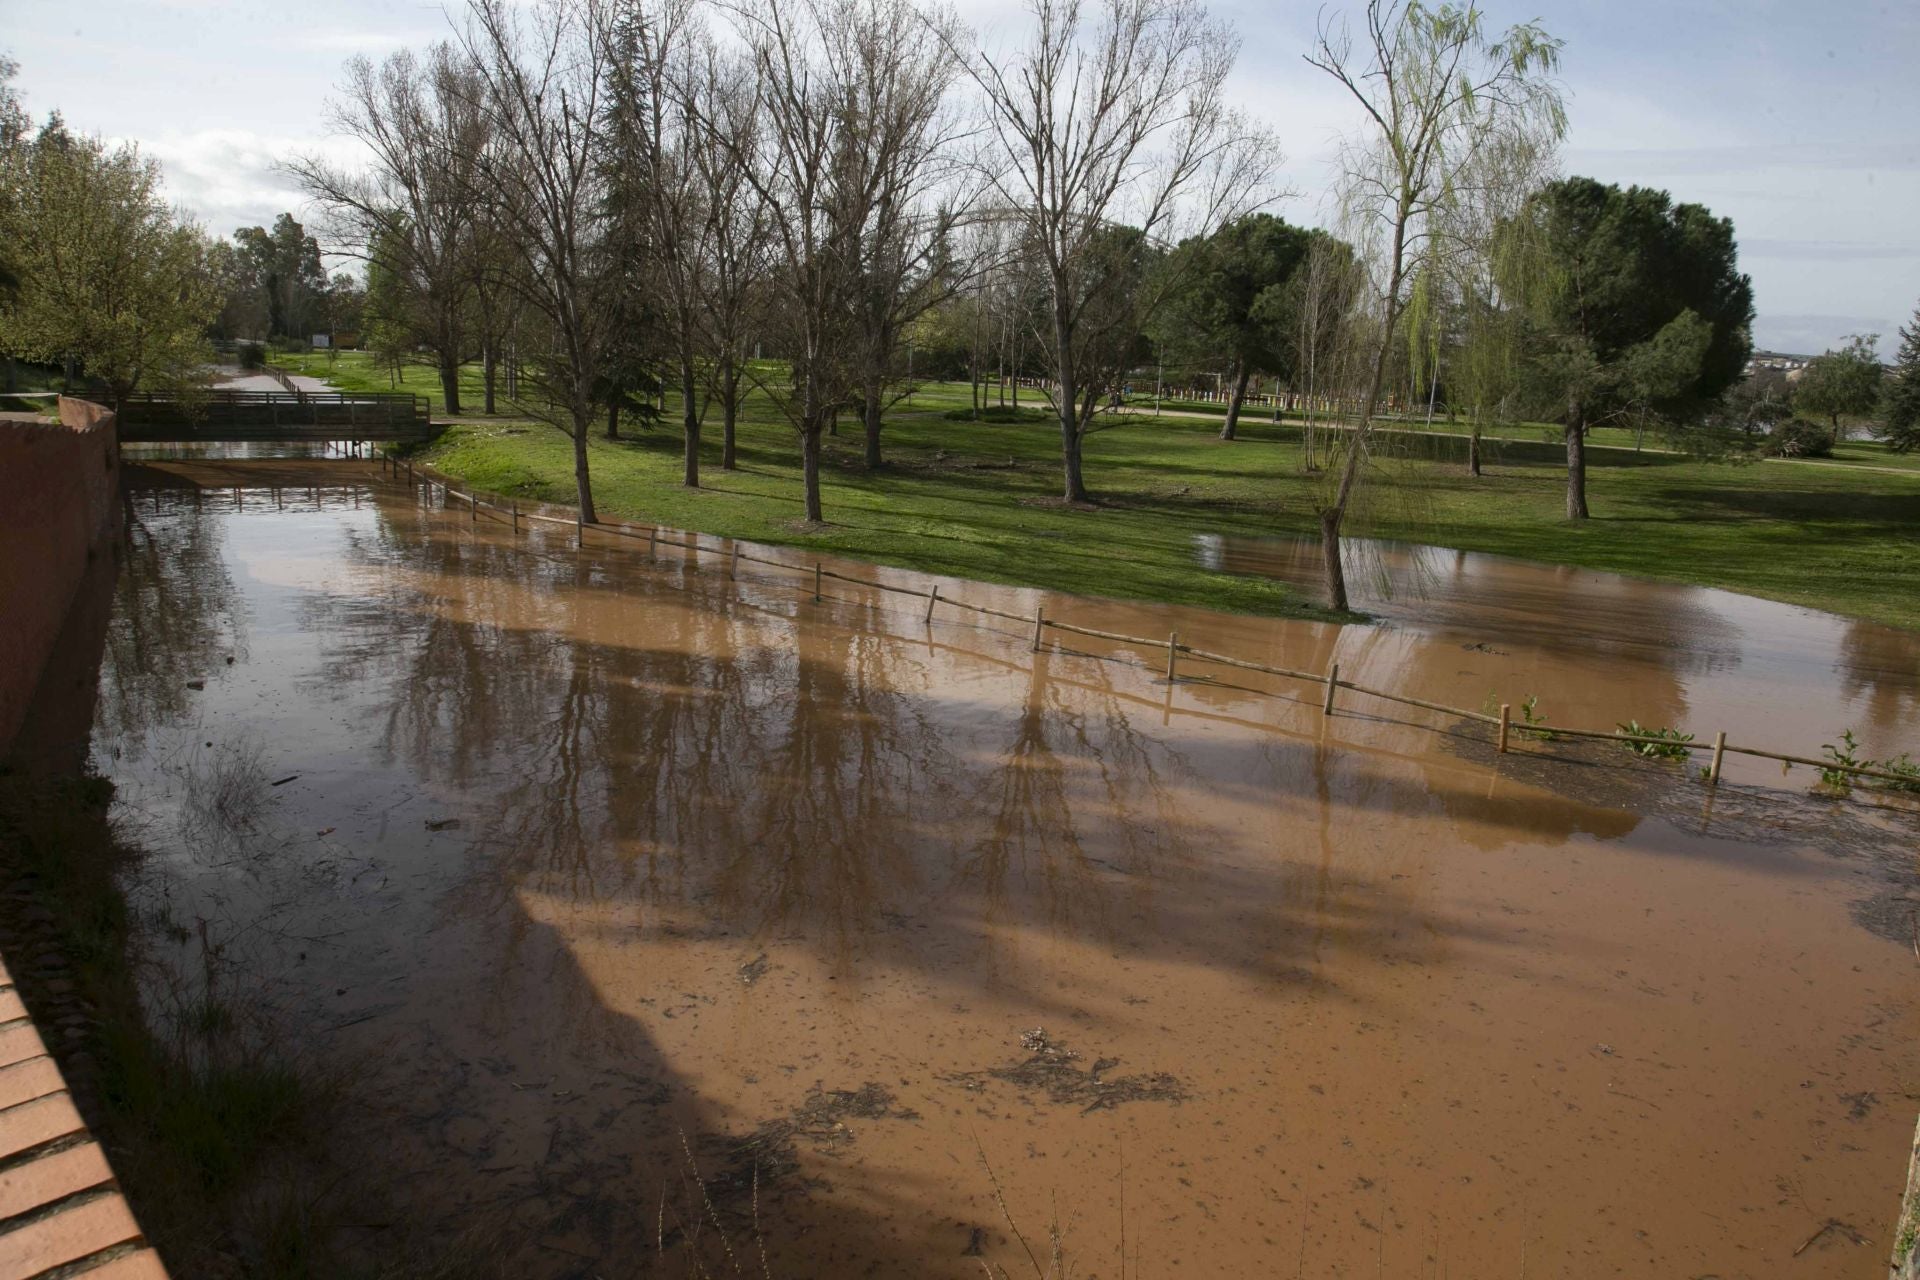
x: 274, y: 287
x: 636, y: 195
x: 98, y: 274
x: 101, y: 277
x: 604, y: 199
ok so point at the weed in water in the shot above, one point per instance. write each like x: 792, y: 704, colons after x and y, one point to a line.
x: 1672, y: 744
x: 1532, y: 716
x: 1845, y: 756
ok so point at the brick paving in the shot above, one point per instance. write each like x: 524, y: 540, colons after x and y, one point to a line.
x: 60, y: 1210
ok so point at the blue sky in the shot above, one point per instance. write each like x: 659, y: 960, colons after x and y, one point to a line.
x: 1800, y: 122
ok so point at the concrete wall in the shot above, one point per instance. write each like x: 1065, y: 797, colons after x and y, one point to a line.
x: 59, y: 512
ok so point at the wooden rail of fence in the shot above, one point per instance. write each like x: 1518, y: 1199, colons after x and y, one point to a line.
x: 1329, y: 680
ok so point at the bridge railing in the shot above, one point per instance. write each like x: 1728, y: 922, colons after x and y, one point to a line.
x: 147, y: 417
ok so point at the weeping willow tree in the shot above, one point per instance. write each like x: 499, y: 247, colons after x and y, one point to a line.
x: 1329, y: 283
x: 1437, y: 90
x: 1462, y: 317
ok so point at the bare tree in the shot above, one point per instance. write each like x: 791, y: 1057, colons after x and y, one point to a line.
x: 541, y: 72
x: 1117, y: 118
x: 411, y: 211
x: 738, y: 226
x: 1437, y: 94
x: 655, y: 129
x: 844, y: 94
x: 907, y: 261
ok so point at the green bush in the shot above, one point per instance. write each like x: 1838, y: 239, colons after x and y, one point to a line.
x: 1798, y: 438
x: 1000, y: 413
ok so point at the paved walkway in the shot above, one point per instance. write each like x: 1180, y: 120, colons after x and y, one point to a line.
x: 60, y: 1210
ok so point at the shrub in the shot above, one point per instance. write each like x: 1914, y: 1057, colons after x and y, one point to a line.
x: 1798, y: 438
x: 1000, y: 413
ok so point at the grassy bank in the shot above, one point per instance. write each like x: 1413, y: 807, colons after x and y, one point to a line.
x: 980, y: 500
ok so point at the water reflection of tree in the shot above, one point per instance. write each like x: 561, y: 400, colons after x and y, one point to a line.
x: 176, y: 617
x: 1882, y: 666
x: 1076, y: 796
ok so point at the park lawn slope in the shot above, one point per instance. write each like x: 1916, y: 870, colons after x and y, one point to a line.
x: 981, y: 501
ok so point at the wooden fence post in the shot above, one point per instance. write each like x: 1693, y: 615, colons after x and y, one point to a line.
x: 473, y: 509
x: 1719, y: 754
x: 516, y: 517
x: 1173, y: 652
x: 1505, y: 719
x: 1333, y: 682
x: 1039, y: 621
x: 933, y: 598
x: 816, y: 582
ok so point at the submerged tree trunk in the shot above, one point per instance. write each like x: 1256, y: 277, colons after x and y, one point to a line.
x: 582, y: 483
x: 1354, y: 441
x: 1576, y: 465
x: 1330, y: 557
x: 1239, y: 398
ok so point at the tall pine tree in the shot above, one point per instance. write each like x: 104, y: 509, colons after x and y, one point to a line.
x: 1903, y: 391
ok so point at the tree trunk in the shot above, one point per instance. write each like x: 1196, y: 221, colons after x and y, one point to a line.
x: 870, y: 411
x: 1076, y: 490
x: 490, y: 359
x: 1576, y: 463
x: 729, y: 411
x: 1473, y: 451
x: 613, y: 419
x: 1239, y: 398
x: 1330, y: 558
x: 810, y: 471
x: 581, y: 481
x: 449, y: 382
x: 690, y: 418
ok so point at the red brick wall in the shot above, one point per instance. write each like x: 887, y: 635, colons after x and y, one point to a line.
x: 59, y: 510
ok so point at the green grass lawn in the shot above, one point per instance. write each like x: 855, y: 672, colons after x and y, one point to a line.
x: 980, y: 500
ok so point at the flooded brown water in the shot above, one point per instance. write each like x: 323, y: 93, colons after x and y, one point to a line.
x: 607, y: 868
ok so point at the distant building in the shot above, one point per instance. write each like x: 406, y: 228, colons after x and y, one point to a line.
x: 1777, y: 360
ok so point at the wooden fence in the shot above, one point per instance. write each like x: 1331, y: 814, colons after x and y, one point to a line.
x: 1328, y: 683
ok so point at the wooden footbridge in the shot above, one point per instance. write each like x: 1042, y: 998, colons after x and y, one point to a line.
x: 269, y: 416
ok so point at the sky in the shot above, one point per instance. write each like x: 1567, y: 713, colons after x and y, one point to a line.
x: 1799, y: 121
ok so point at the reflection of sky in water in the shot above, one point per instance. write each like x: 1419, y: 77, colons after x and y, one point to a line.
x: 1796, y: 675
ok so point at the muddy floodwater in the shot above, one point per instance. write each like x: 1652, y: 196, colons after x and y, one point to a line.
x: 600, y: 872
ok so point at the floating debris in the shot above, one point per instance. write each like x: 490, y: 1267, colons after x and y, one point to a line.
x: 1052, y: 1068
